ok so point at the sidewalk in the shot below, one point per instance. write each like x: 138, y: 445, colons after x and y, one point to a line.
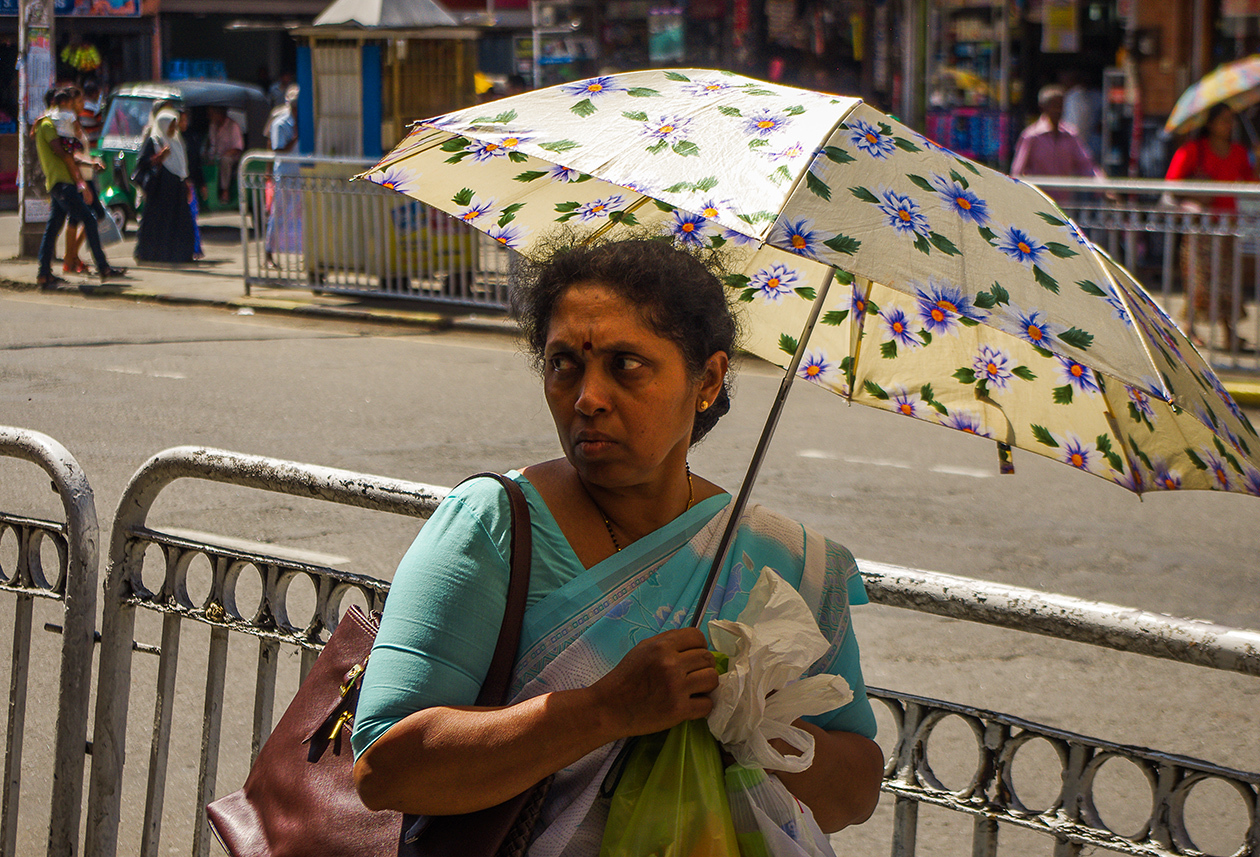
x: 218, y: 281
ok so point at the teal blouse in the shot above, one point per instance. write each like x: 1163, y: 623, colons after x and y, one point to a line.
x: 446, y: 604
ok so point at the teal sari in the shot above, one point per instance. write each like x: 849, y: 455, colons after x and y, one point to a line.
x: 579, y: 632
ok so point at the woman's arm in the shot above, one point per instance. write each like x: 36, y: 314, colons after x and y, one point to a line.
x: 841, y: 787
x: 448, y: 760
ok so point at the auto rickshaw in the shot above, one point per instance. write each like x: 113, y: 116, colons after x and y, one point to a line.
x: 128, y: 113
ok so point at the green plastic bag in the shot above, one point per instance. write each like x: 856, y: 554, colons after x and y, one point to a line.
x: 671, y: 799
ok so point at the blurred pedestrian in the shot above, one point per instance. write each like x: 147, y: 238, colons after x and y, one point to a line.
x: 90, y: 117
x: 69, y: 194
x: 88, y: 167
x: 1212, y: 155
x: 195, y: 177
x: 279, y: 87
x: 1048, y: 147
x: 226, y: 143
x: 1082, y: 109
x: 284, y: 223
x: 167, y: 232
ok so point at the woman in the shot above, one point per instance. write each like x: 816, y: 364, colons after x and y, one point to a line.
x: 167, y: 232
x: 633, y: 342
x: 1212, y: 155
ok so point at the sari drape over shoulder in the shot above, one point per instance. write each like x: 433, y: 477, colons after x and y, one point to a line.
x: 590, y: 618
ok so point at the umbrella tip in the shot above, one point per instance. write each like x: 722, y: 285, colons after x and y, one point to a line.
x: 1006, y: 463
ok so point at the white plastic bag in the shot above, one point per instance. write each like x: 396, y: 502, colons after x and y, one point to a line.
x: 772, y: 643
x: 769, y: 821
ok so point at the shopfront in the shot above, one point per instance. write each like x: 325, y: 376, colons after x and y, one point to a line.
x: 987, y: 59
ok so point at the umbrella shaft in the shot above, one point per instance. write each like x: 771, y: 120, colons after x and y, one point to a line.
x: 767, y: 433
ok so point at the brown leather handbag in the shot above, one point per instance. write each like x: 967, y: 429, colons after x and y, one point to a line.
x: 299, y: 799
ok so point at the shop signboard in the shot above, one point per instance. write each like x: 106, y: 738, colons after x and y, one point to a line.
x: 60, y: 7
x: 82, y: 8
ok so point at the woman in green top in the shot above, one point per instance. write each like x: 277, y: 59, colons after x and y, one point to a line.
x: 633, y: 342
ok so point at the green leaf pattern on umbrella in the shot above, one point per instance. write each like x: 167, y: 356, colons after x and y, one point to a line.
x: 1053, y: 348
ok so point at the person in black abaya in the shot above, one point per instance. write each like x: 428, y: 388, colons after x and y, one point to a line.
x: 167, y: 232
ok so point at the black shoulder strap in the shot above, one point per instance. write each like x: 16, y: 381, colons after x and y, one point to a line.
x: 494, y: 690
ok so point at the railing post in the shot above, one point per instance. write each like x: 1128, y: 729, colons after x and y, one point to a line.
x: 78, y: 627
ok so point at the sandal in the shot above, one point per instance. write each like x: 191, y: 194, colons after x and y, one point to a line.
x: 111, y: 271
x: 76, y: 267
x: 49, y: 281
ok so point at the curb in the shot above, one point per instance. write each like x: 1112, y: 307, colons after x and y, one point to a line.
x: 1245, y: 394
x: 427, y: 320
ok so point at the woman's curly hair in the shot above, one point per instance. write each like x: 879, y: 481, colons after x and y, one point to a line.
x: 679, y: 295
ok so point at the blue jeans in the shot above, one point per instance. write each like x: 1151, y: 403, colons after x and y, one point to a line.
x: 66, y: 200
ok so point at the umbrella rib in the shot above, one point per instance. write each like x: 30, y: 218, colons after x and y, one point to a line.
x: 1130, y: 458
x: 800, y: 177
x: 763, y: 443
x: 1123, y: 298
x: 603, y: 230
x: 855, y: 352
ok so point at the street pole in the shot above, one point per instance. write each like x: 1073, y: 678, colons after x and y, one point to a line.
x: 35, y: 74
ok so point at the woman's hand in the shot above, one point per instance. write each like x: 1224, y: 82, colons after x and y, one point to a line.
x: 661, y: 682
x: 447, y: 760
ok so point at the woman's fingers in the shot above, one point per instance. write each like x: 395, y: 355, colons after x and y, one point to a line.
x: 661, y: 682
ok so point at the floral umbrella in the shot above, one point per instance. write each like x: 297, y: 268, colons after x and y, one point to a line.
x: 1236, y: 84
x: 967, y: 298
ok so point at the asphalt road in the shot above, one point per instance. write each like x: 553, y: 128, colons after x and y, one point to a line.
x: 117, y: 382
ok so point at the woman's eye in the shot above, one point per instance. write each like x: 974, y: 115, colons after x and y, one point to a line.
x: 561, y: 363
x: 626, y: 362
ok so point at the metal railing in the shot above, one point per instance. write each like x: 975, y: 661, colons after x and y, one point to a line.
x: 73, y: 583
x: 305, y: 225
x: 1072, y: 820
x: 271, y: 623
x: 1200, y: 263
x: 277, y: 627
x: 990, y: 795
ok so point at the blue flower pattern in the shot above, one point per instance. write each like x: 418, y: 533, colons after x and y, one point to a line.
x: 903, y: 214
x: 870, y: 140
x: 774, y: 282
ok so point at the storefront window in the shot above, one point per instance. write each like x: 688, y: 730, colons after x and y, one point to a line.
x: 973, y: 77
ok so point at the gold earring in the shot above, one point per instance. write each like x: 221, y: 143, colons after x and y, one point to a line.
x: 704, y: 404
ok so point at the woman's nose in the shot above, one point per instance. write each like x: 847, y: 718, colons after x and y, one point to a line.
x: 592, y: 393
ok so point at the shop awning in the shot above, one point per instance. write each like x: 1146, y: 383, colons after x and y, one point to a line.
x: 386, y: 14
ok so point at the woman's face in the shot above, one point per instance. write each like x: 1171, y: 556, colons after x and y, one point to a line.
x: 1222, y: 125
x: 620, y: 394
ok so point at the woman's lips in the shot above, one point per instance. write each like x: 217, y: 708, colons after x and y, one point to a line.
x: 592, y: 443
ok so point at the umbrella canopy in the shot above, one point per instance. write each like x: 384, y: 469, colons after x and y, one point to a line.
x: 1236, y: 84
x: 967, y: 300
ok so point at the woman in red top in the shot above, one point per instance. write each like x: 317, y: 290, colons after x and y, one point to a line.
x: 1212, y: 155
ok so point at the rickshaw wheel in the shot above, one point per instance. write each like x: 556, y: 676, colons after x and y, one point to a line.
x: 118, y: 213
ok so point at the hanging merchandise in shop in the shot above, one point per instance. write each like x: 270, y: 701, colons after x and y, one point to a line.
x: 974, y: 79
x: 81, y: 57
x: 1061, y: 32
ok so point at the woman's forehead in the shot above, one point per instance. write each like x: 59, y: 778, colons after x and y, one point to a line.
x: 594, y: 309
